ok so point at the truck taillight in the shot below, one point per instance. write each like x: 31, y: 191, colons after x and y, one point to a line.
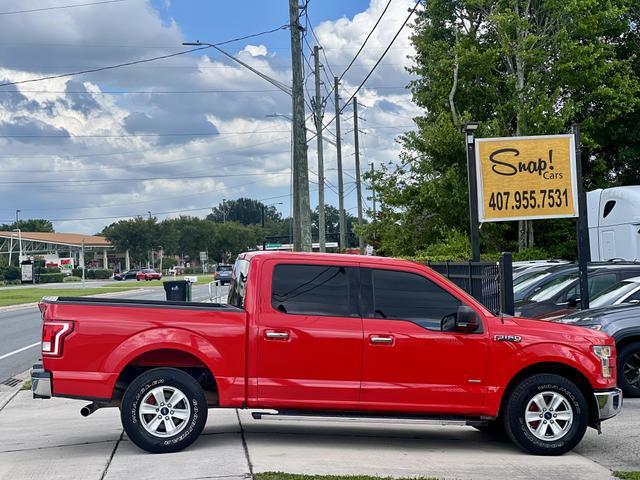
x: 53, y: 334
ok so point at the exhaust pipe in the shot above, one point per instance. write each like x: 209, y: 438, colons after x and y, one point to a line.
x: 89, y: 409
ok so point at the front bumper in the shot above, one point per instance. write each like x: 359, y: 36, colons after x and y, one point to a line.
x: 40, y: 382
x: 609, y: 403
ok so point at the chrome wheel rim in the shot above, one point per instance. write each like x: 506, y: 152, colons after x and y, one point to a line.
x: 164, y: 411
x: 631, y: 370
x: 549, y: 416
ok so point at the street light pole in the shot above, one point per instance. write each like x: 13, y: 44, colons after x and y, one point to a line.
x: 17, y: 218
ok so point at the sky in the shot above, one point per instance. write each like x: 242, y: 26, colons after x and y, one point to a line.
x: 177, y: 136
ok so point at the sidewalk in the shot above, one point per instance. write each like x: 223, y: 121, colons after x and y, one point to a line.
x: 49, y: 439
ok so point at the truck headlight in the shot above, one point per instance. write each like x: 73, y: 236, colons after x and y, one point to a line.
x: 603, y: 352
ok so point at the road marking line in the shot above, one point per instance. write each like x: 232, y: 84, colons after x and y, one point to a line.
x: 6, y: 355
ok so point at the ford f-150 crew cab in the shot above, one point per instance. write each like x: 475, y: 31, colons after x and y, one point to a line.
x: 327, y: 335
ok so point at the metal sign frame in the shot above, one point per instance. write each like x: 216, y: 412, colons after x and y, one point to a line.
x: 574, y: 178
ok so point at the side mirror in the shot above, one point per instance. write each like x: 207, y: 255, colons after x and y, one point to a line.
x: 465, y: 321
x: 572, y: 302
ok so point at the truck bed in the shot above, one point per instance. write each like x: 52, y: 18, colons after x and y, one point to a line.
x: 130, y: 302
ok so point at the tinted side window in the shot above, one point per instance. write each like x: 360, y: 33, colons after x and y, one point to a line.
x: 407, y: 296
x: 312, y: 290
x: 600, y: 282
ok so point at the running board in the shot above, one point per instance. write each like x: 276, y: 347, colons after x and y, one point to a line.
x: 355, y: 417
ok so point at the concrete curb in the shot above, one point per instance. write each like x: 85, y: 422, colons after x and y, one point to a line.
x: 8, y: 396
x: 21, y: 306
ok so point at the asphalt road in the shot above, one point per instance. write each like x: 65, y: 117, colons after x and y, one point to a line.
x: 20, y: 338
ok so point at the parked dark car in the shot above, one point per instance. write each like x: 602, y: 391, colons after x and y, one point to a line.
x: 533, y: 279
x: 561, y: 294
x: 130, y: 275
x: 626, y: 291
x: 622, y: 322
x: 223, y: 273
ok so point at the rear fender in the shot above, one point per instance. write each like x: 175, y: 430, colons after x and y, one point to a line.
x: 161, y: 339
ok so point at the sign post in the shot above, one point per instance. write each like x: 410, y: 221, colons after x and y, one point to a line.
x: 582, y: 227
x: 474, y: 227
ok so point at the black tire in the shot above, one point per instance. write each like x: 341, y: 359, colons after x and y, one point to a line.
x: 629, y: 370
x: 494, y: 428
x: 140, y: 389
x: 516, y: 407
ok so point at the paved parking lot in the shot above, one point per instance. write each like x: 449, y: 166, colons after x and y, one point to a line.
x: 49, y: 439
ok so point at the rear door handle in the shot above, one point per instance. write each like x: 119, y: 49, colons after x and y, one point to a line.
x: 380, y: 340
x: 276, y: 335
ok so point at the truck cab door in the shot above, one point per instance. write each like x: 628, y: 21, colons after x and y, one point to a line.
x: 410, y: 364
x: 309, y: 337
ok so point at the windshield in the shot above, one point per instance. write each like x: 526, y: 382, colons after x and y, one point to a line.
x: 612, y: 294
x: 528, y: 279
x: 553, y: 288
x: 238, y: 289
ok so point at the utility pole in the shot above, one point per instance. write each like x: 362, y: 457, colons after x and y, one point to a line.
x: 339, y: 158
x: 373, y: 190
x: 356, y: 145
x: 319, y: 107
x: 301, y: 212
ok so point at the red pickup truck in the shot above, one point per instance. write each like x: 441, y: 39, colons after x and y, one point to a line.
x: 327, y: 335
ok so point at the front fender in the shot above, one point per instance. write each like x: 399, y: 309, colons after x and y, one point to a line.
x: 510, y: 360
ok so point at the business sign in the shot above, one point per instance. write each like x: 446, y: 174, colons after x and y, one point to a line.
x: 526, y: 178
x: 204, y: 256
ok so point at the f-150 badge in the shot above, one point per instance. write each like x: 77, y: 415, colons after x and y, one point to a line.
x: 507, y: 338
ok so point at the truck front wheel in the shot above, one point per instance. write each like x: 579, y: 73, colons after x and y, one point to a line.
x: 546, y: 414
x: 163, y: 410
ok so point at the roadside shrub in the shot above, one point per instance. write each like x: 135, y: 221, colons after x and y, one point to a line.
x: 77, y: 272
x: 10, y: 273
x: 71, y: 279
x: 51, y: 278
x: 191, y: 270
x: 100, y: 273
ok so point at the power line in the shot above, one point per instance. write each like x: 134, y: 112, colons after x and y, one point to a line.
x: 136, y: 135
x: 60, y: 7
x: 145, y: 92
x: 143, y: 179
x: 406, y: 20
x: 145, y: 60
x: 149, y: 164
x: 365, y: 40
x: 361, y: 46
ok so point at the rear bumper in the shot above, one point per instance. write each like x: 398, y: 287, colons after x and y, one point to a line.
x: 609, y: 403
x: 40, y: 382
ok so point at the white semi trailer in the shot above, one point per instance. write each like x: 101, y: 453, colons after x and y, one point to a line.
x: 614, y: 223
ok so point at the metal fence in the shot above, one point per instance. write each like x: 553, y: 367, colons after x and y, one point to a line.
x: 488, y: 282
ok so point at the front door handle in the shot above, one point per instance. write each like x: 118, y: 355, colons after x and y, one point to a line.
x: 276, y: 335
x: 381, y: 340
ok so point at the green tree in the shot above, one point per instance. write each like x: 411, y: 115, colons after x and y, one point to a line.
x: 518, y: 67
x: 138, y: 236
x: 332, y: 224
x: 30, y: 225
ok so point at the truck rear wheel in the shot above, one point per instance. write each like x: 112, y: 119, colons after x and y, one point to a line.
x: 163, y: 410
x: 629, y: 369
x: 546, y: 414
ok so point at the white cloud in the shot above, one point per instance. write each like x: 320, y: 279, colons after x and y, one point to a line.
x: 255, y: 50
x: 240, y: 137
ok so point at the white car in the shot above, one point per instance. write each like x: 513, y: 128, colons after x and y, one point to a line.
x: 626, y: 291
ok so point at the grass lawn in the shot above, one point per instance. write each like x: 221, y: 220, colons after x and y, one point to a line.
x: 628, y: 475
x: 292, y: 476
x: 16, y: 296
